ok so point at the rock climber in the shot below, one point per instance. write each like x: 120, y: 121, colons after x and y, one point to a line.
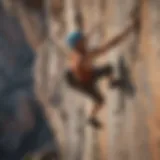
x: 83, y: 76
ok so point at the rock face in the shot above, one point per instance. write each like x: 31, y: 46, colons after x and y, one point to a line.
x: 149, y: 56
x: 23, y: 127
x: 130, y: 116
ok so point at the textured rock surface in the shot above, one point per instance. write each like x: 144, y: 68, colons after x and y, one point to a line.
x: 22, y: 122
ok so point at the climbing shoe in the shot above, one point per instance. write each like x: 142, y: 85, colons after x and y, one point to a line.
x: 95, y: 123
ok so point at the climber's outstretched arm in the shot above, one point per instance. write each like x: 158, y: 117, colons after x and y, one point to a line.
x: 113, y: 42
x: 94, y: 29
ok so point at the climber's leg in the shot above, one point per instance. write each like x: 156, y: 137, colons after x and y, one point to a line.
x: 104, y: 71
x: 92, y: 92
x: 98, y: 100
x: 96, y: 108
x: 93, y: 117
x: 107, y: 71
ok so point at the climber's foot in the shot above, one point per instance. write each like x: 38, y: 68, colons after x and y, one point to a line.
x: 94, y: 122
x: 118, y: 83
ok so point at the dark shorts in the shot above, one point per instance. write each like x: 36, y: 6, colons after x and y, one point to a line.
x: 90, y: 88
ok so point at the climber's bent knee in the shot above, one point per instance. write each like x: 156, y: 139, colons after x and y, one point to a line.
x: 108, y: 70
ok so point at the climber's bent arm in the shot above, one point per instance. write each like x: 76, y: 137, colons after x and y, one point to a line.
x: 91, y: 32
x: 99, y: 51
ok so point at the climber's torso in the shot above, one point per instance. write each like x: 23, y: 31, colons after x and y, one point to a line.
x: 81, y: 67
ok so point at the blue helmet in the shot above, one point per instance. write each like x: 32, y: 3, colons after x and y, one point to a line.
x: 73, y: 38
